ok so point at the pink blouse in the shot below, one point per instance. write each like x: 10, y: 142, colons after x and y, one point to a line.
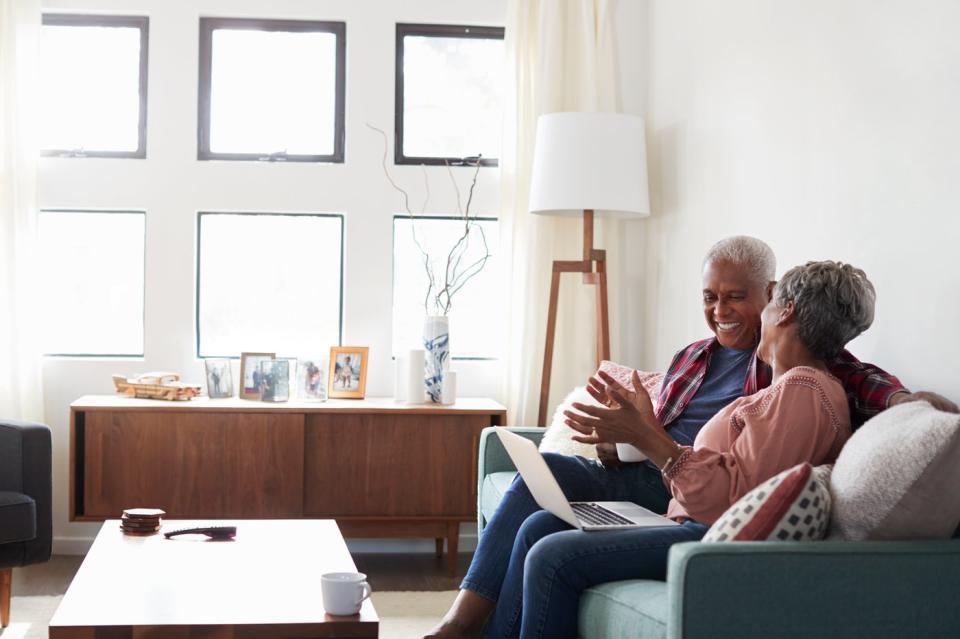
x: 803, y: 417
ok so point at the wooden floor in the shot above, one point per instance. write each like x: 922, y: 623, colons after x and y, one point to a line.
x: 385, y: 572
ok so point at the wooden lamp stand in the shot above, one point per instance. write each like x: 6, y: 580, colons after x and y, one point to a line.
x: 594, y: 269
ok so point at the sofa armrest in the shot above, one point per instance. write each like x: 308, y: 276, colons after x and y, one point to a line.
x: 26, y: 467
x: 493, y: 458
x: 814, y: 589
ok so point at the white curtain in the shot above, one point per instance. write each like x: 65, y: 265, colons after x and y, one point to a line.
x: 20, y: 360
x: 560, y: 56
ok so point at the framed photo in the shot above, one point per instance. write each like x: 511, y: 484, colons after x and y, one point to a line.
x: 312, y: 380
x: 275, y: 380
x: 219, y: 378
x: 348, y: 371
x: 250, y: 373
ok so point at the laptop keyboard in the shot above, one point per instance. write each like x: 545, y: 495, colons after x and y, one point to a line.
x: 595, y: 515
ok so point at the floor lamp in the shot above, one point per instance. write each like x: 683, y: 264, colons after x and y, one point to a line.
x: 586, y: 164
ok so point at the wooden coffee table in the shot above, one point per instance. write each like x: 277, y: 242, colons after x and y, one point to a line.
x: 265, y: 583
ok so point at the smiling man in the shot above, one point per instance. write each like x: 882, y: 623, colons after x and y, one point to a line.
x: 703, y: 378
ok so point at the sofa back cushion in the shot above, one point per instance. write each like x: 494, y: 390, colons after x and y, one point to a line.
x: 898, y: 477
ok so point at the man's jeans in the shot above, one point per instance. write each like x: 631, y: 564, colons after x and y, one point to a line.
x: 502, y: 546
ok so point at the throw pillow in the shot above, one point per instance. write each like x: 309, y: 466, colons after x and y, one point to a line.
x: 557, y: 438
x: 897, y: 477
x: 792, y: 506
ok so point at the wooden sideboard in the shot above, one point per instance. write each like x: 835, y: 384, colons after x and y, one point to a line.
x: 380, y: 468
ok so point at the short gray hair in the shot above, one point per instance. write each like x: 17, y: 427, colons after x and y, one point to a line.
x: 833, y: 303
x: 746, y: 251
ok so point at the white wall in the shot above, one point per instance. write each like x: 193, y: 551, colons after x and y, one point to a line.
x: 828, y: 129
x: 171, y: 185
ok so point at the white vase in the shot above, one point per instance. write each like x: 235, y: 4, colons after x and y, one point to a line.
x: 436, y: 344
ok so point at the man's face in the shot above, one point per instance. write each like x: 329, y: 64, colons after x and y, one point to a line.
x: 732, y: 304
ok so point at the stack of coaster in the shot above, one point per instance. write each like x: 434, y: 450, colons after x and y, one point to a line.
x: 141, y: 521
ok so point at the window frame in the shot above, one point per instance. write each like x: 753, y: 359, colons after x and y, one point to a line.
x: 196, y: 296
x: 438, y: 31
x: 209, y: 24
x: 90, y: 20
x: 143, y: 309
x: 393, y: 275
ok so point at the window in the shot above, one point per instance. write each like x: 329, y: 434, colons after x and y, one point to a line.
x: 271, y: 90
x: 268, y: 282
x: 92, y: 282
x: 475, y: 326
x: 449, y: 93
x: 93, y: 86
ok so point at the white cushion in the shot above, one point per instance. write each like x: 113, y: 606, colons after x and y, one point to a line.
x: 557, y: 438
x: 898, y: 477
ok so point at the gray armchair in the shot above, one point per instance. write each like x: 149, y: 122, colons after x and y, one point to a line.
x: 26, y: 511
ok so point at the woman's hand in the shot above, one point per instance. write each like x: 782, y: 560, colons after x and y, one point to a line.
x: 622, y: 421
x: 631, y: 421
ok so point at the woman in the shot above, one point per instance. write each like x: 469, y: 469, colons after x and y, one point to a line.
x: 801, y: 417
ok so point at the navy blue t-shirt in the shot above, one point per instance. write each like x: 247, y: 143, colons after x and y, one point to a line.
x: 722, y: 384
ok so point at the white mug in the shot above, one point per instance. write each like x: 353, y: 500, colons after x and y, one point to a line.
x: 629, y: 453
x: 344, y: 592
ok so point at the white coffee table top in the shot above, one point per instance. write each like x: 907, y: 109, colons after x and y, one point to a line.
x: 269, y: 575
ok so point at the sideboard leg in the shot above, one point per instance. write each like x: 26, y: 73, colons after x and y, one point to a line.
x: 453, y: 541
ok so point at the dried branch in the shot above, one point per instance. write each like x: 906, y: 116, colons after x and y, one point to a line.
x: 431, y: 280
x: 456, y: 188
x: 454, y: 276
x: 463, y: 243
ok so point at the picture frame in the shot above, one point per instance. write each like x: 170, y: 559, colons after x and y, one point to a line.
x: 275, y: 380
x: 311, y: 379
x: 348, y: 372
x: 250, y: 373
x: 219, y: 376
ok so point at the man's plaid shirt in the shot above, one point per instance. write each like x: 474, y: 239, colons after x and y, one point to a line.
x: 868, y: 388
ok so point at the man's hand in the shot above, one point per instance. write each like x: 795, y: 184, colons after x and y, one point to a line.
x: 607, y: 453
x: 937, y: 401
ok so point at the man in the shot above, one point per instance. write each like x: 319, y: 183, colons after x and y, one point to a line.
x: 703, y: 378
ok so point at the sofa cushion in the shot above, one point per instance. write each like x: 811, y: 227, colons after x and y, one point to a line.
x: 625, y: 610
x: 557, y: 439
x: 897, y: 477
x: 18, y: 517
x: 794, y: 505
x: 494, y: 487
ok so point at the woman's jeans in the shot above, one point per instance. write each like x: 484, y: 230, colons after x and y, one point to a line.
x: 522, y: 571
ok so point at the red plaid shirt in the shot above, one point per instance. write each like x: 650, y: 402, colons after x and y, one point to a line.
x: 868, y: 387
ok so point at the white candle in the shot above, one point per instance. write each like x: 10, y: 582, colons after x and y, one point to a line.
x: 416, y: 392
x: 449, y: 395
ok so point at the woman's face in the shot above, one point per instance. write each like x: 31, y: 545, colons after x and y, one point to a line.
x: 769, y: 331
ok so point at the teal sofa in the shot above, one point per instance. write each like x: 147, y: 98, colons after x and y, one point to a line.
x: 822, y: 590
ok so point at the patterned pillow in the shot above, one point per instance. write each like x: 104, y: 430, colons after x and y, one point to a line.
x: 792, y: 506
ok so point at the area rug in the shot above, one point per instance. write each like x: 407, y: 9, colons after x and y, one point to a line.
x: 408, y: 615
x: 403, y: 615
x: 29, y: 617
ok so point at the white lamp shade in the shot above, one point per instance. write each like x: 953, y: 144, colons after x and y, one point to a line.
x: 590, y: 161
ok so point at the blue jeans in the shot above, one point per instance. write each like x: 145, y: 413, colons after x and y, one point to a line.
x: 581, y: 480
x: 552, y: 564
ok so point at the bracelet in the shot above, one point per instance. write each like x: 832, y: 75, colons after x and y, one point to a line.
x: 667, y: 464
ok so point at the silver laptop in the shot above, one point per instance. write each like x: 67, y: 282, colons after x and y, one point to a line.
x: 585, y: 515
